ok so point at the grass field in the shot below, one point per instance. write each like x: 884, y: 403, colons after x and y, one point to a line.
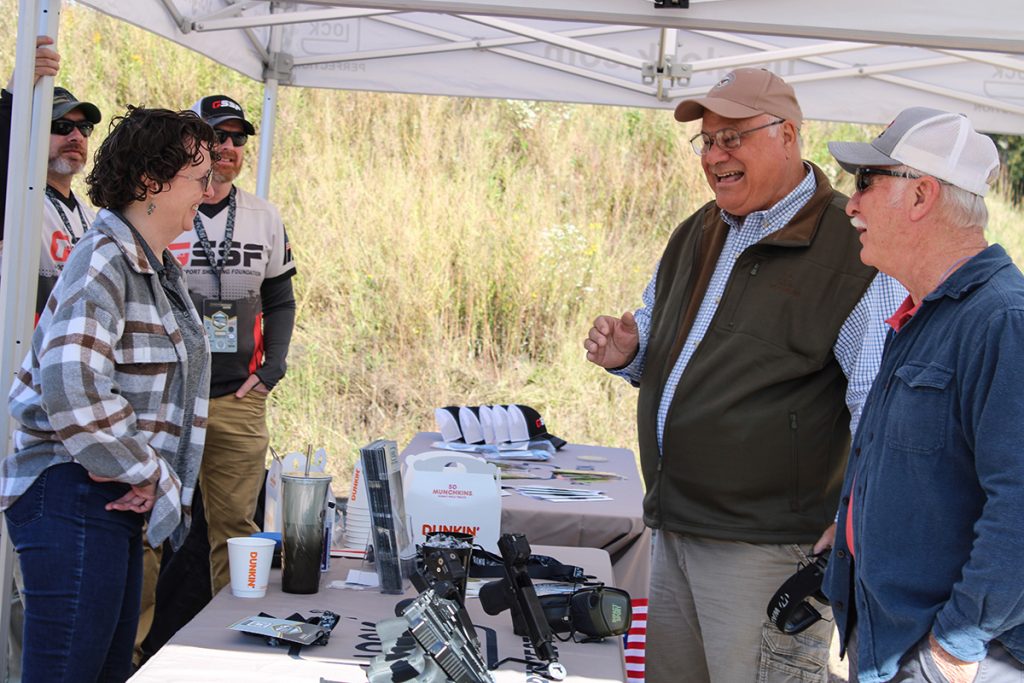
x: 449, y: 250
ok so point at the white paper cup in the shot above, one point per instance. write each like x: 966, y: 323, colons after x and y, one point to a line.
x: 249, y: 560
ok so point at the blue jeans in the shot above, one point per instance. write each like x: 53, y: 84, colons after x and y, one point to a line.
x: 82, y: 568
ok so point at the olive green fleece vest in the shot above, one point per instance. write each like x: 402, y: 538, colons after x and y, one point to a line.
x: 757, y: 435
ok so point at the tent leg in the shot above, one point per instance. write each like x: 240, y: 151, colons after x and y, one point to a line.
x: 266, y: 137
x: 26, y: 183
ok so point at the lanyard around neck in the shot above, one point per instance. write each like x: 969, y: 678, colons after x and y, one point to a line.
x: 56, y: 201
x: 225, y: 247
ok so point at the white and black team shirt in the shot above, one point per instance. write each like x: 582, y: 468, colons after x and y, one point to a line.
x: 256, y: 276
x: 57, y: 240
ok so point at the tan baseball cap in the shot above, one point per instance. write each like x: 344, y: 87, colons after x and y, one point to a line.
x: 744, y: 93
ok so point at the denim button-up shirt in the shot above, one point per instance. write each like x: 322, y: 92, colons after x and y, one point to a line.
x: 936, y: 476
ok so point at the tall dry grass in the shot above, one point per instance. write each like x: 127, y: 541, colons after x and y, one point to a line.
x: 449, y: 250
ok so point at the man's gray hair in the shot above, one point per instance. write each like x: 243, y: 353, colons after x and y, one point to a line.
x: 958, y: 207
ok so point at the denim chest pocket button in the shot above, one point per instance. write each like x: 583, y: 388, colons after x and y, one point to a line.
x: 918, y: 407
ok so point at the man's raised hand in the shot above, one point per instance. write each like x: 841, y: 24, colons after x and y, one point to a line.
x: 612, y: 342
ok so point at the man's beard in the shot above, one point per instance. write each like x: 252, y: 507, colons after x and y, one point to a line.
x: 61, y: 166
x: 227, y: 176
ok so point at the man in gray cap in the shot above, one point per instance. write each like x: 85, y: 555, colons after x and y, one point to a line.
x: 758, y: 339
x: 924, y: 578
x: 65, y: 218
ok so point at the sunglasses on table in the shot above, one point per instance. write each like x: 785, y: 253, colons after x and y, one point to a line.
x: 65, y: 126
x: 863, y: 176
x: 237, y: 139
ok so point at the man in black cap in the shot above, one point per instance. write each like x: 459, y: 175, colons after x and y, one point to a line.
x: 65, y: 218
x: 239, y: 268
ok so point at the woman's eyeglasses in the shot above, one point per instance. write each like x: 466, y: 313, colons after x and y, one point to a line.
x: 65, y: 126
x: 203, y: 180
x: 237, y: 139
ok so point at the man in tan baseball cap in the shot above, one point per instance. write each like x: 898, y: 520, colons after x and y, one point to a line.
x: 755, y: 345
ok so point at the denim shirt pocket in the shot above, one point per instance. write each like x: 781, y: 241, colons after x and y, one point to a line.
x: 919, y: 407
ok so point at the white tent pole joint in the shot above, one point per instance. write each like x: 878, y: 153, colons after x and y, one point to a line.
x: 666, y: 67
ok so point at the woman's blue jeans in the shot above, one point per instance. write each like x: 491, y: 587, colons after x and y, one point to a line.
x: 82, y: 568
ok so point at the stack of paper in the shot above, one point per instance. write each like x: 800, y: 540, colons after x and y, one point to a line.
x: 559, y: 495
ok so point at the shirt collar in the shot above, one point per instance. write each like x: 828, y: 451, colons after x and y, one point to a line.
x: 903, y: 314
x: 975, y: 272
x: 778, y: 216
x: 114, y: 224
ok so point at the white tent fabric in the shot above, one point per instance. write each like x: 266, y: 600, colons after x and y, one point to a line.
x: 860, y: 62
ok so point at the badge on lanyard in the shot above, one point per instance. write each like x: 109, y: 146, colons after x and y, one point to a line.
x: 221, y: 321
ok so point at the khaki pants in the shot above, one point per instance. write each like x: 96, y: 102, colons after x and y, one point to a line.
x: 918, y: 666
x: 233, y: 469
x: 147, y: 603
x: 707, y: 621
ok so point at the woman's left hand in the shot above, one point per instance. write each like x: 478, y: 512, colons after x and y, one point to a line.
x: 138, y: 499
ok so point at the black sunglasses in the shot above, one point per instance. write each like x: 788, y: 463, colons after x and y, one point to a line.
x: 863, y: 174
x: 237, y: 139
x: 65, y: 126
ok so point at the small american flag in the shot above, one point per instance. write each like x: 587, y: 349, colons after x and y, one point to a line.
x: 635, y: 641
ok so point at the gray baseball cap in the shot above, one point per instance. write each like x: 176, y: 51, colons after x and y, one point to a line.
x: 64, y: 101
x: 938, y: 143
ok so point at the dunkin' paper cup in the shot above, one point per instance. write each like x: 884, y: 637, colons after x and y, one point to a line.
x: 249, y: 559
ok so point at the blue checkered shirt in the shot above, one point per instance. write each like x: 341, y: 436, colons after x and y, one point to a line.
x: 858, y: 348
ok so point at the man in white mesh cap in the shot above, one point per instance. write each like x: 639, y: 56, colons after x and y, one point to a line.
x: 925, y: 575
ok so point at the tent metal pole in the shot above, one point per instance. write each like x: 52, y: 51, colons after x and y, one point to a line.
x: 269, y: 118
x: 26, y: 184
x: 266, y: 137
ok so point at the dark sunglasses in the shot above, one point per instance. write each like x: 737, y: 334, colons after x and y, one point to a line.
x: 65, y: 126
x: 237, y: 139
x: 863, y: 175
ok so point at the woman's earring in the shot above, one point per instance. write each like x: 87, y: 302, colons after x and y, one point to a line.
x: 150, y: 209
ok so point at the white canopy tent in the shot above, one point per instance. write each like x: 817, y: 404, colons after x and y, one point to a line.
x: 859, y: 62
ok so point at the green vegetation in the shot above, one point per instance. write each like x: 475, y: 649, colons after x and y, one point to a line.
x: 449, y: 251
x: 1011, y: 148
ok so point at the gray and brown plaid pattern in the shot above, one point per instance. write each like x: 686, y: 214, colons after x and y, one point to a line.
x: 104, y: 382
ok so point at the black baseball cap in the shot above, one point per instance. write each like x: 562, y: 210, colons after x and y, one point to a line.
x: 216, y: 109
x: 526, y: 424
x: 64, y: 101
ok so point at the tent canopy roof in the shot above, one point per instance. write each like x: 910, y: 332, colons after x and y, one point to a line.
x: 860, y: 62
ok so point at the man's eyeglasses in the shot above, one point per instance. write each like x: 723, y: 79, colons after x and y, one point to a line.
x: 237, y: 139
x: 65, y: 126
x: 863, y: 176
x: 727, y: 138
x: 203, y: 180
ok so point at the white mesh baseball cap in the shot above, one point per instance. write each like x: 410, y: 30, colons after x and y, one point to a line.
x: 933, y: 141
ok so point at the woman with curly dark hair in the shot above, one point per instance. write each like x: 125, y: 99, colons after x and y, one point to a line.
x: 110, y: 404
